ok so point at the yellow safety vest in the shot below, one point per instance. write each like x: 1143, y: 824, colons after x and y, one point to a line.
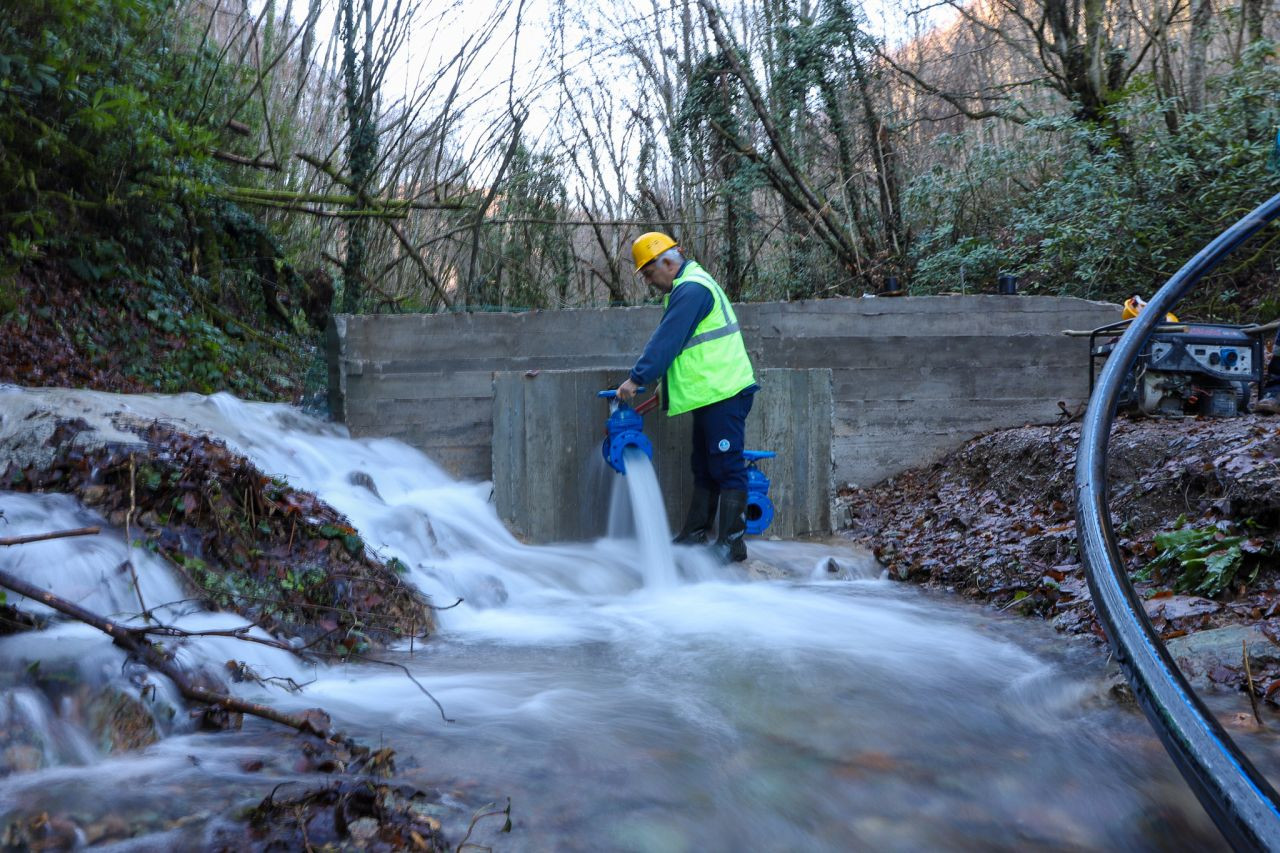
x: 714, y: 364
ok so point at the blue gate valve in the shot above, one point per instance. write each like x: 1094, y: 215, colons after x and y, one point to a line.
x: 759, y: 507
x: 623, y: 429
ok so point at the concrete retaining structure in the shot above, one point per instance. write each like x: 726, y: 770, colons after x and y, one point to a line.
x: 912, y: 377
x: 551, y: 483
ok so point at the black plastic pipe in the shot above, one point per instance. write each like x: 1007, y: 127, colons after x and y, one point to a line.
x: 1239, y: 799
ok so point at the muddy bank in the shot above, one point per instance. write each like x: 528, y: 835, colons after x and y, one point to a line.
x: 242, y: 542
x: 1196, y: 507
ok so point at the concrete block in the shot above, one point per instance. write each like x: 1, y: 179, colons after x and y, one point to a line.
x: 551, y: 482
x: 909, y: 379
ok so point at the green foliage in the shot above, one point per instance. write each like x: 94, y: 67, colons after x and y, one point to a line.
x: 109, y: 191
x: 1076, y: 209
x: 88, y: 131
x: 1203, y: 560
x: 344, y: 534
x: 9, y: 297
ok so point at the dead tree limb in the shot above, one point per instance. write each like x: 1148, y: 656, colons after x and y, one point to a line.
x: 240, y: 160
x: 41, y: 537
x: 313, y: 721
x: 405, y: 243
x: 416, y: 682
x: 817, y: 210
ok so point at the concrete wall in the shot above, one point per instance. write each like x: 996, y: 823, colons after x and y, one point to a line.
x: 915, y: 377
x: 551, y: 483
x: 912, y: 377
x: 427, y: 379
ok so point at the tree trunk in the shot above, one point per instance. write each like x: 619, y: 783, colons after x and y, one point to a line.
x: 1197, y: 53
x: 1254, y: 12
x: 846, y: 172
x: 885, y: 158
x: 361, y: 143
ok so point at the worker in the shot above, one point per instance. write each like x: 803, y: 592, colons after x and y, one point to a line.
x: 1269, y: 396
x: 698, y: 352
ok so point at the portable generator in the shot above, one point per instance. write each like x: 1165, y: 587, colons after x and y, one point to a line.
x: 1185, y: 369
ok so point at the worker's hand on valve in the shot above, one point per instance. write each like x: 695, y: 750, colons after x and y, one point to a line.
x: 627, y: 391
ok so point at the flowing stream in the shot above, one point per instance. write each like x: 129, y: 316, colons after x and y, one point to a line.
x: 624, y: 694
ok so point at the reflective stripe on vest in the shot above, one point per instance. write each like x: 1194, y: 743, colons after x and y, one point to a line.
x: 713, y: 365
x: 724, y: 331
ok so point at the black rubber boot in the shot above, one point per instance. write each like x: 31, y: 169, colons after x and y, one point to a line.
x: 697, y: 524
x: 730, y: 545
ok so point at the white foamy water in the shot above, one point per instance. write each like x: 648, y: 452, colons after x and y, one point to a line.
x: 653, y: 533
x: 626, y: 695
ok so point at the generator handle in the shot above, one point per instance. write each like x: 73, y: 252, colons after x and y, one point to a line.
x: 1263, y: 329
x: 1168, y: 327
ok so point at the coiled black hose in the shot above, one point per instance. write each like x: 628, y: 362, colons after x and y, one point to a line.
x: 1239, y: 799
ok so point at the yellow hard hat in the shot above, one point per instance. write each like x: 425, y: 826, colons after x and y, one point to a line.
x: 1134, y: 305
x: 649, y: 246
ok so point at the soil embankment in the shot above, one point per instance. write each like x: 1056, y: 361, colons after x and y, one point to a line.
x: 242, y: 541
x: 1196, y: 508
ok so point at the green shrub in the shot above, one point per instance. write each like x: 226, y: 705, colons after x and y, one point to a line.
x: 1082, y: 210
x: 109, y: 116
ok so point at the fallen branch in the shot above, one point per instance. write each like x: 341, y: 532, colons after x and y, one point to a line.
x: 409, y: 676
x: 240, y: 160
x: 241, y: 633
x: 384, y: 205
x: 316, y: 211
x: 128, y: 537
x: 241, y: 327
x: 313, y: 721
x: 1066, y: 415
x: 41, y: 537
x: 481, y: 815
x: 328, y: 169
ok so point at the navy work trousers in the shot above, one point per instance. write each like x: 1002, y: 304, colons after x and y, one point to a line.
x: 1271, y: 378
x: 719, y: 435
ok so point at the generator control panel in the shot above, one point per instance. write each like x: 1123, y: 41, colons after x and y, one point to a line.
x: 1228, y: 362
x: 1186, y: 368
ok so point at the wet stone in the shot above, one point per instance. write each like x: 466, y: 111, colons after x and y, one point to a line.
x: 759, y: 570
x: 20, y: 758
x: 110, y: 828
x: 363, y: 830
x: 120, y: 722
x: 1201, y: 654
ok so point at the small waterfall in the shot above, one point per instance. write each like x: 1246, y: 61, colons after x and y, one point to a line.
x: 648, y: 520
x: 92, y: 571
